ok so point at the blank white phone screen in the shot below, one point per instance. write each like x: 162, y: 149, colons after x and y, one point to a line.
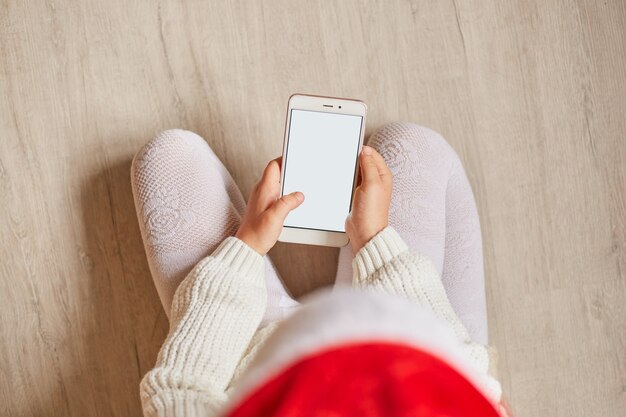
x: 320, y: 161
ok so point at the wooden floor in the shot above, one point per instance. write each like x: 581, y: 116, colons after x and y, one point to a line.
x: 531, y: 93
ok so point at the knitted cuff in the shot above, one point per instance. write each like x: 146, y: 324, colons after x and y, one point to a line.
x: 174, y: 403
x: 240, y: 257
x: 382, y: 248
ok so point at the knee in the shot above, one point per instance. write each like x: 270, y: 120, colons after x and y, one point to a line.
x: 172, y: 143
x: 424, y: 143
x: 172, y: 139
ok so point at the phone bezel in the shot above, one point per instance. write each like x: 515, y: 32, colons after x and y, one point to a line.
x: 325, y: 105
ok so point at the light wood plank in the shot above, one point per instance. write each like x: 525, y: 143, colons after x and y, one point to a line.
x: 530, y: 93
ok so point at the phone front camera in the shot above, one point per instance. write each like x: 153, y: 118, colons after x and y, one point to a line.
x: 339, y: 106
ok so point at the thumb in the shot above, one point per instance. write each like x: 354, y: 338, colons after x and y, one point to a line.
x: 373, y: 166
x: 268, y: 188
x: 279, y: 210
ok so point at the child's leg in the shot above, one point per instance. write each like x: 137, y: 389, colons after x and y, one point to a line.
x: 433, y: 209
x: 187, y: 203
x: 463, y: 269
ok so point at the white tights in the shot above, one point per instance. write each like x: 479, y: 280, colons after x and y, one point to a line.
x: 187, y: 203
x: 433, y: 209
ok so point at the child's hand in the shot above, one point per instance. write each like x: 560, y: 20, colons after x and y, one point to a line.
x: 370, y: 211
x: 265, y: 213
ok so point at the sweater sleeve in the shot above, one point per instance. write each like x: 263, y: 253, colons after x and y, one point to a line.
x: 386, y: 263
x: 215, y: 312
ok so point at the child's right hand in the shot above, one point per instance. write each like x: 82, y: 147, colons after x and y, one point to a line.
x: 370, y: 211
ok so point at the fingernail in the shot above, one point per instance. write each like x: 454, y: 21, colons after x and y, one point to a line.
x: 299, y: 196
x: 367, y: 150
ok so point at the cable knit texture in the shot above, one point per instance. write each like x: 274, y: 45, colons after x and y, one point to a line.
x: 215, y: 312
x: 218, y: 307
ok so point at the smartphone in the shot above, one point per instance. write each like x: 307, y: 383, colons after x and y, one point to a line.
x: 323, y: 139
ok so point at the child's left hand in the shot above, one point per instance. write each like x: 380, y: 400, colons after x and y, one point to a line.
x: 265, y: 212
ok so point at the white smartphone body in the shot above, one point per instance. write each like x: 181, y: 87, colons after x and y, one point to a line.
x: 323, y: 139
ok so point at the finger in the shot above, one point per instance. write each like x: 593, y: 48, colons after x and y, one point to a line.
x: 383, y: 170
x: 271, y: 175
x: 281, y: 207
x: 268, y: 188
x: 373, y: 166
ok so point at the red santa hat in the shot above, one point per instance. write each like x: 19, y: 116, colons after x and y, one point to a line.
x: 359, y: 354
x: 367, y: 380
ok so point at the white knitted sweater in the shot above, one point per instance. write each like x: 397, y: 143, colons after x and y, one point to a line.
x: 214, y: 329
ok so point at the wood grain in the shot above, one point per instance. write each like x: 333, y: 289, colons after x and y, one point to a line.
x: 530, y: 93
